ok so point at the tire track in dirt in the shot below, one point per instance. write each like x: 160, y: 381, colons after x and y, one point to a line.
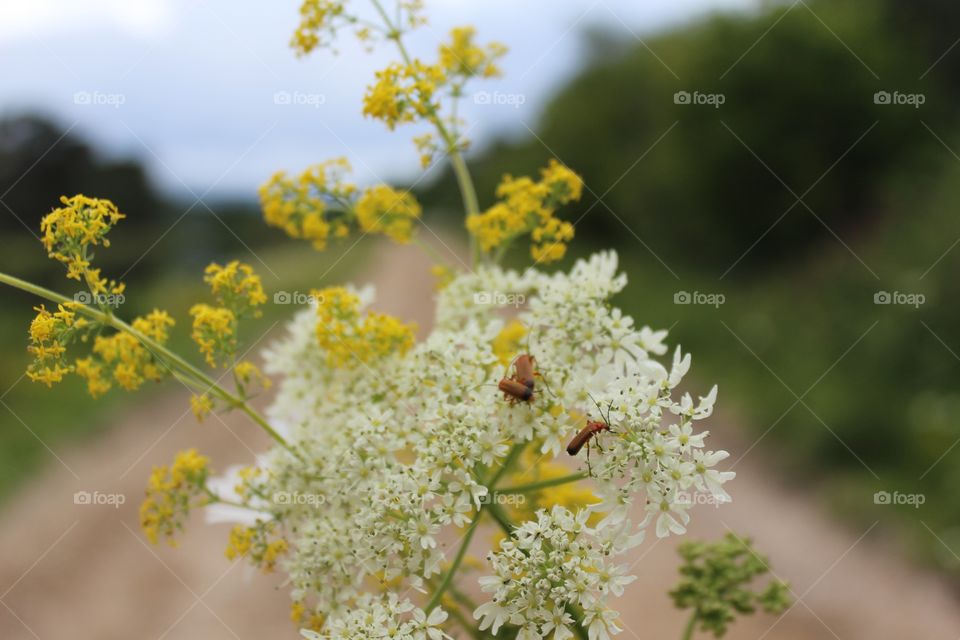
x: 83, y: 572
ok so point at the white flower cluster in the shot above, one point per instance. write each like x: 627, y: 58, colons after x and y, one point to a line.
x: 551, y: 564
x: 384, y: 617
x: 399, y: 451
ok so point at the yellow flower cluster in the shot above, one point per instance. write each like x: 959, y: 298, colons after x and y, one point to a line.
x: 238, y: 292
x: 404, y: 93
x: 248, y: 374
x: 299, y: 205
x: 49, y: 335
x: 349, y: 336
x: 236, y: 287
x: 70, y: 231
x: 254, y: 544
x: 382, y: 209
x: 298, y: 615
x: 316, y: 17
x: 506, y: 345
x: 462, y: 57
x: 201, y: 405
x: 528, y: 206
x: 409, y: 92
x: 122, y: 359
x: 171, y: 493
x: 214, y: 331
x: 319, y: 205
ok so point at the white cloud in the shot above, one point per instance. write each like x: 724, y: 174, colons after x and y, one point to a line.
x: 44, y: 18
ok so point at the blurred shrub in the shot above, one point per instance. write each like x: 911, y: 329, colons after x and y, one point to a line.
x: 797, y: 91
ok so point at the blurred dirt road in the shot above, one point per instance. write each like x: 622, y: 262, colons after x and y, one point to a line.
x: 84, y: 572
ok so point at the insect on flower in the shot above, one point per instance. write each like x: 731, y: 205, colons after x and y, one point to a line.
x: 520, y: 386
x: 583, y: 436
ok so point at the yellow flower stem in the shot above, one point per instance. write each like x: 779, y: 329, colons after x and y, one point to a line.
x: 501, y: 518
x: 171, y: 359
x: 544, y: 484
x: 465, y: 181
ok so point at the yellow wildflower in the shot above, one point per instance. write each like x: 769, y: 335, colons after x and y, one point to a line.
x: 382, y: 209
x: 317, y: 18
x: 464, y: 58
x: 202, y: 406
x: 171, y: 493
x: 527, y: 207
x: 404, y: 93
x: 507, y: 343
x: 50, y: 333
x: 253, y: 543
x: 299, y: 206
x: 214, y: 331
x: 443, y: 274
x: 236, y: 287
x: 349, y: 336
x: 248, y: 373
x: 69, y: 232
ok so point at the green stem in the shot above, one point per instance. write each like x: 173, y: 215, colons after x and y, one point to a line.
x: 171, y: 359
x: 691, y: 625
x: 544, y: 484
x: 461, y: 553
x: 505, y: 467
x: 464, y: 180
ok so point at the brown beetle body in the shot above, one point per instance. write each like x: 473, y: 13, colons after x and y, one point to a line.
x: 583, y: 437
x: 516, y: 390
x: 520, y: 386
x: 525, y: 366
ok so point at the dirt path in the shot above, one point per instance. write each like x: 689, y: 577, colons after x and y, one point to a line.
x: 82, y: 572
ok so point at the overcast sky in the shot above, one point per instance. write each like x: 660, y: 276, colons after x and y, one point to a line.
x: 192, y: 86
